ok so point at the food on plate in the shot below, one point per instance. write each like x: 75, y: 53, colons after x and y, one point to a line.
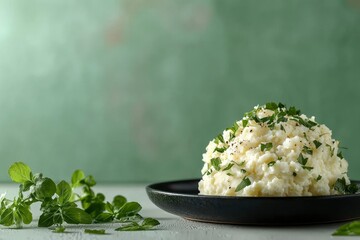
x: 275, y: 151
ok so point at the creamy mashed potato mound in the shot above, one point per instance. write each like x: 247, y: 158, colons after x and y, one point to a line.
x: 274, y: 151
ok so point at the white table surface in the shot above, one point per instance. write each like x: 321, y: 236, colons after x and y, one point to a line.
x: 172, y: 227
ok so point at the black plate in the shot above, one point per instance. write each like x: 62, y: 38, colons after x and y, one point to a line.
x: 181, y: 198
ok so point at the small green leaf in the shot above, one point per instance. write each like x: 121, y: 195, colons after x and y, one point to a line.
x: 266, y: 146
x: 271, y: 106
x: 119, y: 201
x: 45, y: 188
x: 282, y: 128
x: 317, y: 144
x: 46, y: 219
x: 302, y: 160
x: 221, y: 150
x: 25, y: 213
x: 228, y: 167
x: 95, y: 231
x: 271, y: 163
x: 104, y: 217
x: 219, y: 138
x: 76, y: 178
x: 59, y: 229
x: 307, y: 168
x: 20, y: 172
x: 130, y: 227
x: 135, y: 218
x: 215, y: 162
x: 244, y: 183
x: 109, y: 207
x: 64, y: 191
x: 349, y: 229
x: 7, y: 217
x: 318, y: 178
x: 245, y: 122
x: 89, y: 181
x: 129, y: 209
x: 307, y: 150
x: 149, y: 223
x: 340, y: 155
x: 294, y: 174
x: 243, y: 170
x: 76, y: 215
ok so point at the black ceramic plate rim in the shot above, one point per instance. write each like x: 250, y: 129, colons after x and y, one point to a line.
x: 154, y: 188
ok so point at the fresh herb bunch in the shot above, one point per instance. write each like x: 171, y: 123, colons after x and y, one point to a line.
x: 59, y: 203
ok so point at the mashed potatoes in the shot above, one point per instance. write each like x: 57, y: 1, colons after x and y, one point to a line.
x: 275, y: 151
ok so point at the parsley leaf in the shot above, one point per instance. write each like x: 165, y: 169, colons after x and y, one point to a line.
x: 271, y: 163
x: 215, y: 162
x: 307, y: 150
x: 317, y: 144
x: 221, y: 150
x: 341, y: 186
x: 20, y: 172
x: 228, y: 167
x: 348, y: 229
x: 244, y: 183
x: 271, y: 106
x: 245, y: 122
x: 148, y: 223
x: 219, y: 138
x: 95, y: 231
x: 302, y: 160
x: 318, y: 178
x: 340, y: 155
x: 266, y: 146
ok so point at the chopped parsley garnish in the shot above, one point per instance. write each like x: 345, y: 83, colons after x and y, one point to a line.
x: 221, y: 150
x: 318, y: 178
x: 307, y: 168
x: 271, y: 106
x: 292, y: 111
x: 215, y: 162
x: 282, y: 127
x: 228, y: 166
x: 340, y: 155
x: 245, y: 122
x: 317, y: 144
x: 294, y: 174
x: 243, y: 170
x: 331, y: 150
x: 271, y: 163
x: 244, y: 183
x: 233, y: 128
x: 219, y: 138
x: 280, y: 115
x: 305, y: 122
x: 341, y: 186
x: 266, y: 146
x: 239, y: 164
x: 307, y: 150
x: 302, y: 160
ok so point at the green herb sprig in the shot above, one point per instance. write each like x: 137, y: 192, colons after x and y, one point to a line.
x: 59, y: 203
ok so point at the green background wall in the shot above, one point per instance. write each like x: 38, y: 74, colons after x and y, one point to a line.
x: 134, y: 90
